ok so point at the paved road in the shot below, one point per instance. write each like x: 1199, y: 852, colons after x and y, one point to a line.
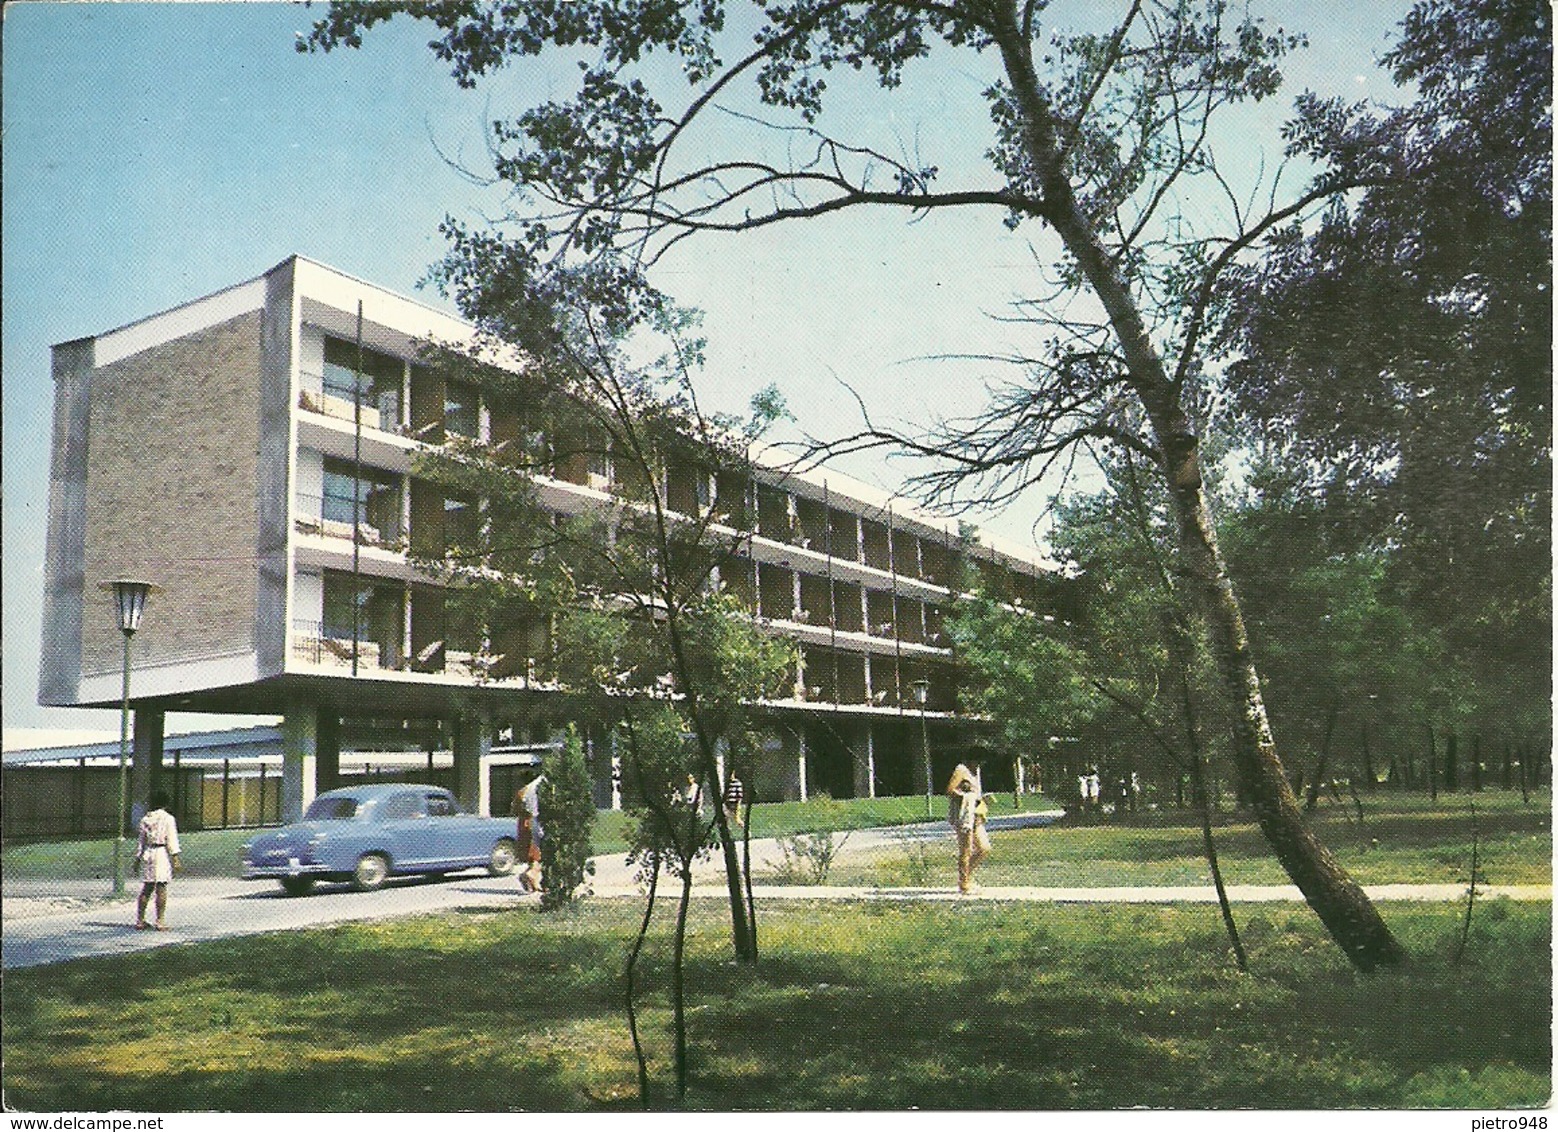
x: 43, y: 923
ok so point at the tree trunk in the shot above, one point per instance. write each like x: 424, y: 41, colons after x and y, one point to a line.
x: 1433, y: 765
x: 1312, y: 803
x: 1341, y: 904
x: 1209, y: 846
x: 679, y: 980
x: 742, y: 915
x: 629, y: 974
x: 1368, y: 761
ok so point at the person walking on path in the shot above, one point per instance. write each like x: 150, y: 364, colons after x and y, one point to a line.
x: 157, y: 856
x: 527, y: 808
x: 735, y: 794
x: 966, y: 813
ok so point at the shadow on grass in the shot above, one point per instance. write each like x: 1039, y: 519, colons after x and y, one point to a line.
x: 1132, y: 1008
x: 853, y: 1007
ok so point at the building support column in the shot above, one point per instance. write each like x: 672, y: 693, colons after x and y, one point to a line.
x: 865, y: 767
x: 800, y: 762
x: 299, y: 759
x: 471, y: 744
x: 600, y: 758
x: 328, y: 749
x: 146, y: 758
x: 921, y: 759
x: 615, y: 770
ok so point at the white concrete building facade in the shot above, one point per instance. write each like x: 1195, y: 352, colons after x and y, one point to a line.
x: 219, y: 449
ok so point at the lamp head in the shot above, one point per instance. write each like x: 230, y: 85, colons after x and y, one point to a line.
x: 130, y: 596
x: 921, y: 691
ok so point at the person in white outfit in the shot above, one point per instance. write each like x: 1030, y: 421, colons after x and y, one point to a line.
x: 157, y: 857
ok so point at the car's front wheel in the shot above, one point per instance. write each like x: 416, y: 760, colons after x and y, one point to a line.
x: 297, y: 886
x: 371, y: 872
x: 504, y: 856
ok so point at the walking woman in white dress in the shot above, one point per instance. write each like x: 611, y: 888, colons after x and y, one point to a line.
x: 157, y: 855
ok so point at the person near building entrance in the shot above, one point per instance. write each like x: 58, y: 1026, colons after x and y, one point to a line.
x: 966, y: 813
x: 157, y: 857
x: 527, y: 811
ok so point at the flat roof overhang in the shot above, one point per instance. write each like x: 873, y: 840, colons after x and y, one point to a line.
x: 359, y: 696
x: 363, y: 697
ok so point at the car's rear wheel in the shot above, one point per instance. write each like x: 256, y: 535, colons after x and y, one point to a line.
x: 297, y: 886
x: 371, y: 872
x: 504, y: 856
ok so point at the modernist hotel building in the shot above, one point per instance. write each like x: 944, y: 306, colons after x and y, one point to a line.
x: 218, y: 450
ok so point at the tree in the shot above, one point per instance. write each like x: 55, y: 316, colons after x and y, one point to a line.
x: 1126, y: 678
x: 568, y: 815
x: 672, y: 830
x: 1343, y: 652
x: 1019, y: 672
x: 1402, y: 345
x: 619, y: 603
x: 1093, y: 136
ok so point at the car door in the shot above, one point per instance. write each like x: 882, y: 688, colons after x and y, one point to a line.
x: 449, y: 835
x: 402, y: 827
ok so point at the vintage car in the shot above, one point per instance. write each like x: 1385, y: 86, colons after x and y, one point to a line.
x: 367, y: 834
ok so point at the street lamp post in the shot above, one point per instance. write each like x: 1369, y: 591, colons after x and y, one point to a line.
x: 130, y: 597
x: 921, y: 694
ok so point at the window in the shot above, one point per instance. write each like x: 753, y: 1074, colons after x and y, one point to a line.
x: 461, y: 412
x: 462, y: 523
x: 377, y: 496
x: 401, y: 807
x: 345, y: 605
x: 331, y: 809
x: 441, y: 806
x: 378, y: 612
x: 379, y: 378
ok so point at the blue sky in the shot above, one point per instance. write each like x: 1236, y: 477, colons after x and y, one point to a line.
x: 156, y: 152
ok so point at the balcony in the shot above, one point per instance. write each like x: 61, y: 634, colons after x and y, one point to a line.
x: 313, y: 644
x: 380, y: 410
x: 314, y: 515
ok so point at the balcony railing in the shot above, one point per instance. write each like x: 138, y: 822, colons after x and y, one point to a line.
x: 378, y: 412
x: 313, y: 644
x: 310, y: 518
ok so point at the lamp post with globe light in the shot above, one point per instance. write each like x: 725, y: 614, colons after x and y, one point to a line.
x: 130, y: 596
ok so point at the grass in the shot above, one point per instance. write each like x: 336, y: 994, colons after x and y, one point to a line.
x: 1402, y: 839
x: 854, y: 1006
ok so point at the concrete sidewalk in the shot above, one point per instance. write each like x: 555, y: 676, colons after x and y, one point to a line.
x: 51, y: 922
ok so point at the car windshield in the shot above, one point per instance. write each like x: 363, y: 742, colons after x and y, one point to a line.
x: 328, y: 809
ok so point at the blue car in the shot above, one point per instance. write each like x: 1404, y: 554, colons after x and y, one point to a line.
x: 367, y: 834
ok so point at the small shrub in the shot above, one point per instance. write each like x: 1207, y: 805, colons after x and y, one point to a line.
x: 807, y: 858
x: 918, y: 866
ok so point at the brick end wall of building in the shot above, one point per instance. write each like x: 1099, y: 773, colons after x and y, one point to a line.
x: 173, y: 473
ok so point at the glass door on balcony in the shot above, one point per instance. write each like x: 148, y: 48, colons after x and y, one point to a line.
x: 379, y: 381
x: 371, y: 499
x: 373, y: 613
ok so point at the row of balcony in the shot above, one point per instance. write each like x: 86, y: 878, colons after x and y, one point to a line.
x: 736, y: 500
x: 824, y: 676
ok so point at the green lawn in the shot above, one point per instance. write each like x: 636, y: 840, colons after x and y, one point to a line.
x: 856, y: 1006
x: 1400, y: 840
